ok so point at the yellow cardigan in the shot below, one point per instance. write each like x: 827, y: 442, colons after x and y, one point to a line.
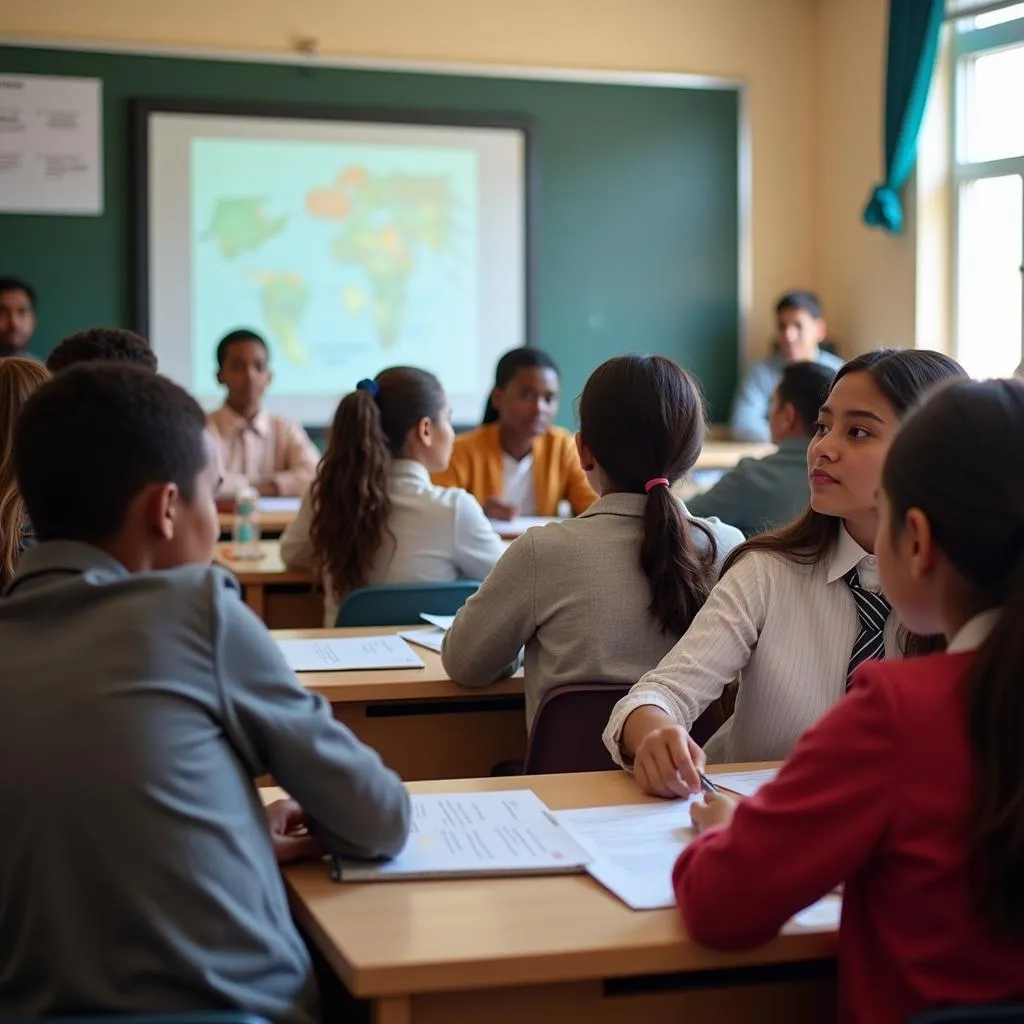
x: 477, y: 467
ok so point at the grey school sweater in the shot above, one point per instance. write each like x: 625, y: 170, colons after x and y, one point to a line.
x: 136, y: 869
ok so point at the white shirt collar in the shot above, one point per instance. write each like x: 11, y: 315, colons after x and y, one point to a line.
x: 259, y: 424
x: 410, y: 469
x: 847, y: 555
x: 973, y: 633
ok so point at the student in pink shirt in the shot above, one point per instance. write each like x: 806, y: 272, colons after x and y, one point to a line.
x: 254, y: 448
x: 910, y: 791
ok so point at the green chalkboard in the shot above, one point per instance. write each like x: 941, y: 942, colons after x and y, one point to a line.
x: 637, y: 215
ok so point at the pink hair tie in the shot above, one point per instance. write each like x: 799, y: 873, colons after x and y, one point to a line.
x: 658, y: 481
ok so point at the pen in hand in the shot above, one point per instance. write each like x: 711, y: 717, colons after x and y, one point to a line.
x: 707, y: 785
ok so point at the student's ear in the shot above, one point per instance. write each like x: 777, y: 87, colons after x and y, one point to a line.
x: 917, y: 534
x: 220, y: 377
x: 424, y: 431
x: 789, y: 419
x: 822, y: 328
x: 496, y: 396
x: 587, y: 460
x: 158, y: 504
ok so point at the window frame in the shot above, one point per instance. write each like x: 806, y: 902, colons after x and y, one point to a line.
x: 968, y: 43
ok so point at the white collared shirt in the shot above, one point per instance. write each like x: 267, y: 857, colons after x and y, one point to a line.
x: 785, y: 631
x: 518, y: 487
x: 440, y: 534
x: 973, y: 633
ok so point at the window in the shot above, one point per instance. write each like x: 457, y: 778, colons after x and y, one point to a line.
x: 988, y: 140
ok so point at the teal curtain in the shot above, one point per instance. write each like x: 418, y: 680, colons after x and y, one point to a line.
x: 914, y: 27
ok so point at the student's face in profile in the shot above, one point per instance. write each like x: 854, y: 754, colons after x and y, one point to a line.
x: 904, y: 561
x: 783, y: 420
x: 529, y: 403
x: 856, y: 425
x: 442, y: 440
x: 246, y: 375
x: 798, y: 335
x: 196, y: 526
x: 17, y: 319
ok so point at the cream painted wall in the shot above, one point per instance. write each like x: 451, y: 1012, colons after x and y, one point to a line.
x: 770, y: 44
x: 868, y: 279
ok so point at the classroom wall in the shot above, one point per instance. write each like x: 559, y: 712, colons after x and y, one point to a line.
x: 867, y: 278
x: 771, y: 44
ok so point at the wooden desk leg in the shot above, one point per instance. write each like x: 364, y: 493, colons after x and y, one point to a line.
x: 394, y: 1010
x: 255, y: 598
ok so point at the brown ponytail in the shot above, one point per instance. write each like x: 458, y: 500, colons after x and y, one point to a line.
x: 960, y: 460
x: 642, y: 418
x: 351, y: 504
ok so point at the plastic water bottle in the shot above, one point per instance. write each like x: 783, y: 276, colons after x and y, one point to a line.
x: 245, y: 534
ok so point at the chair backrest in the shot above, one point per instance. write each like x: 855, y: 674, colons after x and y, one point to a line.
x: 994, y: 1013
x: 401, y: 604
x: 191, y: 1017
x: 566, y: 733
x: 567, y: 728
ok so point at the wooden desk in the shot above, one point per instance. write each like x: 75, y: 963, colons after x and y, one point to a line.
x: 421, y: 723
x: 556, y: 948
x: 272, y: 524
x: 281, y: 597
x: 725, y: 454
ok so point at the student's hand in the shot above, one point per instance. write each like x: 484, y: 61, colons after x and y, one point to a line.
x: 268, y: 489
x: 668, y: 762
x: 717, y: 809
x: 292, y: 841
x: 495, y: 508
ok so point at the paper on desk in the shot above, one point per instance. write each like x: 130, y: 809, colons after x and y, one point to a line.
x: 745, y: 783
x: 633, y: 848
x: 465, y: 834
x: 339, y: 655
x: 429, y: 638
x: 279, y: 504
x: 441, y: 621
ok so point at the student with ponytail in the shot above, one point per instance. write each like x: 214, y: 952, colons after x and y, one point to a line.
x: 602, y: 597
x: 911, y: 790
x: 372, y: 516
x: 796, y: 610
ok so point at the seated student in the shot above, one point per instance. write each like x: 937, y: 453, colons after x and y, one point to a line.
x: 17, y: 316
x: 796, y: 610
x: 761, y: 494
x: 254, y: 448
x: 909, y: 791
x: 800, y: 330
x: 372, y: 515
x: 109, y: 344
x: 601, y: 598
x: 517, y: 463
x: 137, y: 872
x: 18, y: 379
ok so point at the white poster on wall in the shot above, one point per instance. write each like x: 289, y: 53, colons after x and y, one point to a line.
x: 51, y: 153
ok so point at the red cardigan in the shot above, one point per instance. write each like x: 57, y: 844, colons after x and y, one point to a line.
x: 876, y: 796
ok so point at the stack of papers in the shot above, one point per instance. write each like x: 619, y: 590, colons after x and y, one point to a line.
x: 279, y: 504
x: 430, y: 638
x: 475, y: 834
x: 340, y: 655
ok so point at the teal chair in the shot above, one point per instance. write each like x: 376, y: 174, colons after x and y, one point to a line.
x: 401, y: 604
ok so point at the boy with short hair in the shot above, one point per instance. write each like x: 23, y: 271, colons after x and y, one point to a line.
x: 140, y: 700
x: 105, y: 344
x: 255, y: 449
x: 761, y: 494
x: 17, y: 316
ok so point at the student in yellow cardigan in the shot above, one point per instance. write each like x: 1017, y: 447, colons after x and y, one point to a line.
x: 517, y: 463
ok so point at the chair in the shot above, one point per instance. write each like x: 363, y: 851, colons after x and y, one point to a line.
x: 191, y: 1017
x: 994, y: 1013
x: 567, y: 728
x: 401, y: 604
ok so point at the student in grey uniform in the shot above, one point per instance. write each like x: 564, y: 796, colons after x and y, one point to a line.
x: 140, y: 700
x: 604, y: 596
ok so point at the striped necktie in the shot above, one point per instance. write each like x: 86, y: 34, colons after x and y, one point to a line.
x: 872, y: 611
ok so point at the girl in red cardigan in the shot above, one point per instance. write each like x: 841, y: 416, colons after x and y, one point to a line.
x: 910, y: 790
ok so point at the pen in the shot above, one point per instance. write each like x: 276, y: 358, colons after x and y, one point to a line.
x: 707, y: 785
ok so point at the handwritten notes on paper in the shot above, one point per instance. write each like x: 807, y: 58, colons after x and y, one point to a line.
x: 349, y: 654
